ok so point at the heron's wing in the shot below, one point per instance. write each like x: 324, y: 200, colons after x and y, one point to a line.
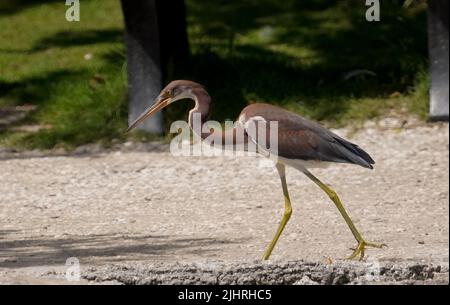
x: 300, y: 138
x: 309, y: 145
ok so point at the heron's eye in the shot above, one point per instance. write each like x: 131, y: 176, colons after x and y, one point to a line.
x: 169, y: 92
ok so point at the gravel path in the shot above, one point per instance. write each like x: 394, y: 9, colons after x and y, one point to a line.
x: 137, y: 207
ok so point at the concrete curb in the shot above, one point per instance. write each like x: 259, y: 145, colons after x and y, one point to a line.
x: 281, y: 273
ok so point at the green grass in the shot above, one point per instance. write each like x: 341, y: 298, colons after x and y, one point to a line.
x: 280, y: 52
x: 42, y: 58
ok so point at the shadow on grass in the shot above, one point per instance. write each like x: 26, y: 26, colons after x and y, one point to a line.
x: 37, y: 90
x: 270, y: 67
x: 67, y: 39
x: 258, y: 75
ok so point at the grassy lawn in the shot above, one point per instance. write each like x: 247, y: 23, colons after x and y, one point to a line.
x: 280, y: 52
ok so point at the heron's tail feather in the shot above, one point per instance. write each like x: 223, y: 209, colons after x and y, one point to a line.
x: 362, y: 156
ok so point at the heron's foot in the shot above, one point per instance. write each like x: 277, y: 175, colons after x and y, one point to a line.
x: 361, y: 249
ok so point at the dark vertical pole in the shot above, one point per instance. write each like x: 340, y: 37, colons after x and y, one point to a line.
x: 438, y: 49
x: 143, y: 59
x: 173, y: 33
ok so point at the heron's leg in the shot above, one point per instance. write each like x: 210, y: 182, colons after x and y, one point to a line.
x: 362, y: 244
x: 287, y: 211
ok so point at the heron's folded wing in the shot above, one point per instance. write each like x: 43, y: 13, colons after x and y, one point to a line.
x: 300, y: 138
x: 310, y: 145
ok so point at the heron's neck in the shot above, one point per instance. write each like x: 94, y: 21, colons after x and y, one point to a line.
x: 199, y: 114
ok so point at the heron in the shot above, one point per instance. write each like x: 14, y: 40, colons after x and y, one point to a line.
x: 302, y: 145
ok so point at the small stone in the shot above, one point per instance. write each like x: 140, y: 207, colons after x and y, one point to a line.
x: 305, y: 281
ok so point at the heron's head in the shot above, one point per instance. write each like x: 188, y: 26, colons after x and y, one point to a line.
x: 174, y: 91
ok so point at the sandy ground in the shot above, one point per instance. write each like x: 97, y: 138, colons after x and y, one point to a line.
x: 140, y: 209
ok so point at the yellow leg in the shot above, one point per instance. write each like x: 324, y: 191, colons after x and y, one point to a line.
x: 287, y: 211
x: 362, y: 244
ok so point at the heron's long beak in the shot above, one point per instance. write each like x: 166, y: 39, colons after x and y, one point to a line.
x: 157, y: 105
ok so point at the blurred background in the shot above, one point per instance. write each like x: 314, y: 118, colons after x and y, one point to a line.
x: 64, y: 84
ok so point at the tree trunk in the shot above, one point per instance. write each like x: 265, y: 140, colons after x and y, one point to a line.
x: 155, y: 36
x: 143, y: 60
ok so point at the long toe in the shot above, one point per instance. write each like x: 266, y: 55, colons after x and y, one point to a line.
x: 361, y: 249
